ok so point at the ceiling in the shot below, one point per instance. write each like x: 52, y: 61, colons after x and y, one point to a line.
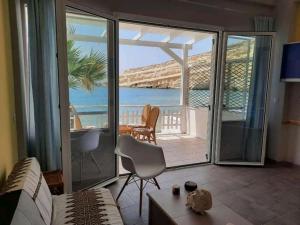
x: 258, y: 2
x: 263, y: 2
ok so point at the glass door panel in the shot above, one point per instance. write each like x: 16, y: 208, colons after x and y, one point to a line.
x: 90, y: 50
x: 176, y: 74
x: 243, y: 99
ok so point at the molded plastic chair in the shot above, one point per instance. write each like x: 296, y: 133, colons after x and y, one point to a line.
x: 86, y: 144
x: 144, y: 161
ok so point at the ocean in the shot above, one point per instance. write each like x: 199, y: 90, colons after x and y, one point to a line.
x: 92, y: 106
x: 98, y: 98
x: 131, y: 101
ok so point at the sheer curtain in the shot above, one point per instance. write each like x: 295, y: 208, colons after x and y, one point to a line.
x: 43, y: 117
x: 257, y: 91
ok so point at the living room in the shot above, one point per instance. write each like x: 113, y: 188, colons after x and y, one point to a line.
x: 251, y: 172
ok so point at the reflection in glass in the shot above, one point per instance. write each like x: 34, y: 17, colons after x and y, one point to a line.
x: 87, y: 66
x: 245, y: 87
x: 92, y: 130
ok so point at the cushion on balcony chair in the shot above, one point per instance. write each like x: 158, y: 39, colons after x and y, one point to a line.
x: 95, y: 206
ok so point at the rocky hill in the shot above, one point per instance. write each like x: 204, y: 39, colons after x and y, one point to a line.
x: 168, y: 74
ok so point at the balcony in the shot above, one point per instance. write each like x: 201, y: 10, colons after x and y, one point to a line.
x: 179, y: 147
x: 169, y: 121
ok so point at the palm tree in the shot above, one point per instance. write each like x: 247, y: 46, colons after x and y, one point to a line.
x: 88, y: 71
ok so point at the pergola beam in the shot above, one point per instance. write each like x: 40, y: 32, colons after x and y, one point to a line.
x: 100, y: 39
x: 152, y: 44
x: 173, y: 55
x: 138, y: 36
x: 104, y: 33
x: 86, y: 20
x: 87, y: 38
x: 169, y: 37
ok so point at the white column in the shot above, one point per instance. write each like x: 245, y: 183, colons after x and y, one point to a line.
x: 184, y: 91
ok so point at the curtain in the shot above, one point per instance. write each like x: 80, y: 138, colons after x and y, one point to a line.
x: 43, y: 119
x: 257, y: 92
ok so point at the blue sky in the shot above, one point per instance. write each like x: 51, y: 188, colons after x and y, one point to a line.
x: 136, y: 56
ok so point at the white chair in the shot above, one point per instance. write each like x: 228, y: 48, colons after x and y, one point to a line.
x: 86, y: 144
x: 144, y: 161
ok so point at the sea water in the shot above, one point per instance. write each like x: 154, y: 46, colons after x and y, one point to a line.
x: 97, y: 99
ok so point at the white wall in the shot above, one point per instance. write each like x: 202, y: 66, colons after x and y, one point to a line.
x: 291, y: 133
x: 292, y: 147
x: 197, y: 119
x: 276, y: 147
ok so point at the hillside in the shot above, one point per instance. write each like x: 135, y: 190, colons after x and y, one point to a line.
x: 168, y: 74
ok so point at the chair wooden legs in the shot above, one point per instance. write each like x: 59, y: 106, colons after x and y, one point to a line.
x: 156, y: 183
x: 150, y: 137
x: 126, y: 182
x: 141, y: 196
x: 154, y: 138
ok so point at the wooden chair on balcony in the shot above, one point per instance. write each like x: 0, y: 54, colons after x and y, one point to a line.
x: 75, y: 120
x: 144, y: 117
x: 127, y: 129
x: 147, y: 133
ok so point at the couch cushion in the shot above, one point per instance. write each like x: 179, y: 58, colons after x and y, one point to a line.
x: 27, y: 176
x: 95, y: 206
x: 27, y: 212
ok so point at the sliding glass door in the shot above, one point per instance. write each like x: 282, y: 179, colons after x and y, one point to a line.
x: 243, y: 98
x: 91, y: 96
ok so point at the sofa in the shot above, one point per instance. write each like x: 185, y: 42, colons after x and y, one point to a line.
x: 25, y: 199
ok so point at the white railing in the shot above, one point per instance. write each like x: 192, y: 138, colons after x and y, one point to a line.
x: 169, y: 120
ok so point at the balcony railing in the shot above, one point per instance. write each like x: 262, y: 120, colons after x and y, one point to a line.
x: 169, y: 121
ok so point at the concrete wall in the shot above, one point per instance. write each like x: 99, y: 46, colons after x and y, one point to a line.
x: 8, y: 152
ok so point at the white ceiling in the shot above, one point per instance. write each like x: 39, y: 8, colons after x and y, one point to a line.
x: 264, y: 2
x: 259, y: 2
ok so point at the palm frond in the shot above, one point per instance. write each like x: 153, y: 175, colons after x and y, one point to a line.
x: 88, y: 71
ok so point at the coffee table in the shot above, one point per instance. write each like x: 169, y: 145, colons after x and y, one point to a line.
x: 168, y: 209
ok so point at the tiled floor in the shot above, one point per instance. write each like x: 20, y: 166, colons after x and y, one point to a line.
x: 181, y: 149
x: 263, y: 196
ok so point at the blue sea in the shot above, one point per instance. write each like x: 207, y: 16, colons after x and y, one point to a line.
x: 92, y: 106
x: 131, y: 101
x: 98, y: 98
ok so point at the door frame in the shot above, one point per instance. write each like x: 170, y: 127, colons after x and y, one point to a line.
x: 219, y: 103
x: 61, y: 7
x: 217, y: 33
